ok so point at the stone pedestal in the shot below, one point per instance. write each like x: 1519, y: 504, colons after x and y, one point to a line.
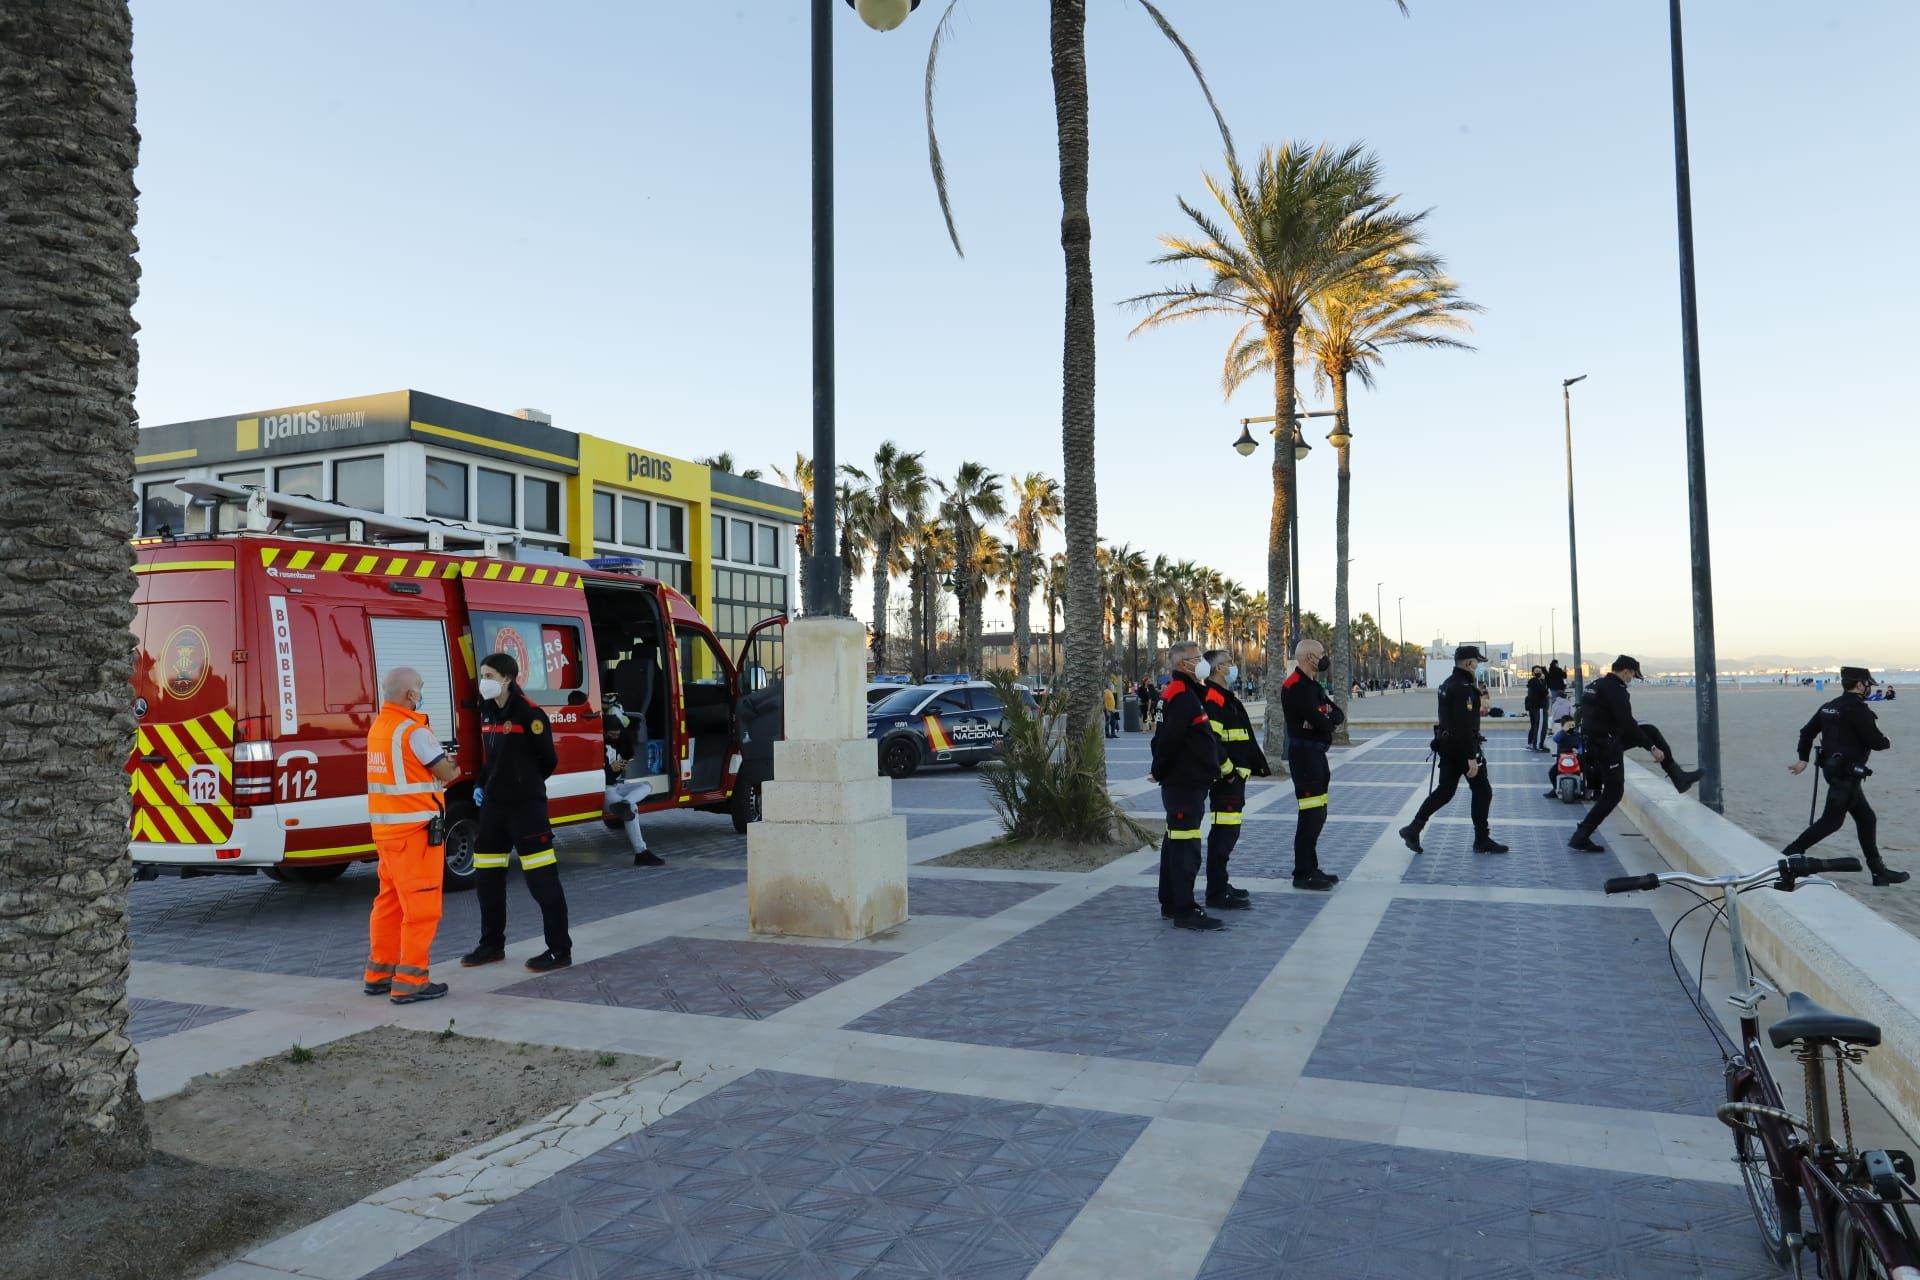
x: 828, y: 858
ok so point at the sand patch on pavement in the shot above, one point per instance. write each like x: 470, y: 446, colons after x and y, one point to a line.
x: 246, y: 1155
x: 1049, y: 855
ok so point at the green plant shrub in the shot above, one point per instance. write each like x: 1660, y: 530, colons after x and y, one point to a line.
x: 1045, y: 785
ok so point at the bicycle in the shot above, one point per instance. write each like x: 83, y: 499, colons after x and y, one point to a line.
x: 1857, y: 1203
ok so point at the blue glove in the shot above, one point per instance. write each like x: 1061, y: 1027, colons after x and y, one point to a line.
x: 479, y: 797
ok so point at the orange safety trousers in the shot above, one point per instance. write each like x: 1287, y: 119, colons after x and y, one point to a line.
x: 406, y: 913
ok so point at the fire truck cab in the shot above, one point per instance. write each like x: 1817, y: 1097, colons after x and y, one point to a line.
x: 259, y: 656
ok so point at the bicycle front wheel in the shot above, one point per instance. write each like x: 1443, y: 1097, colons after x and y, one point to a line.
x: 1775, y: 1201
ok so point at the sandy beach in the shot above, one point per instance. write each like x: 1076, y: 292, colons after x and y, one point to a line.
x: 1759, y: 725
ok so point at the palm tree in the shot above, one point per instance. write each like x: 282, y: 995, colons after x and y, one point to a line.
x: 724, y: 462
x: 1402, y: 300
x: 1056, y: 597
x: 1185, y: 576
x: 853, y: 529
x: 1159, y: 592
x: 801, y: 478
x: 1036, y: 508
x: 1303, y: 223
x: 899, y: 494
x: 1126, y: 567
x: 973, y: 498
x: 931, y: 541
x: 1067, y: 32
x: 68, y: 1097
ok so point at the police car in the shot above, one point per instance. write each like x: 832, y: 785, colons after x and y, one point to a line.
x: 938, y: 724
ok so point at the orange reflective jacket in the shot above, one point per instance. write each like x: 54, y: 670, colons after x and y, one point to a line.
x: 401, y: 792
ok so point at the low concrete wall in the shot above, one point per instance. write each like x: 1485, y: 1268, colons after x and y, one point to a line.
x: 1819, y: 941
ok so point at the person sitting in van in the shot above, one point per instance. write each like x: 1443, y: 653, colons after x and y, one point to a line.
x: 512, y: 795
x: 627, y: 782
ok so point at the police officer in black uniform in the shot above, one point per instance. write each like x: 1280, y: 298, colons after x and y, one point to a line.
x: 1311, y: 717
x: 1456, y: 744
x: 1186, y: 761
x: 1228, y: 796
x: 1849, y: 733
x: 519, y: 758
x: 1610, y: 728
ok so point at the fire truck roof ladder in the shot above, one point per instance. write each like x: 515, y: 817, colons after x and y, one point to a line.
x: 291, y: 515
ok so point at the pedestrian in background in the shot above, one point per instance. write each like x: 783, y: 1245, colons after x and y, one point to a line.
x: 1186, y: 762
x: 1113, y: 713
x: 1849, y: 735
x: 1556, y: 678
x: 1539, y: 698
x: 513, y: 817
x: 1456, y: 745
x: 1311, y: 717
x: 406, y: 770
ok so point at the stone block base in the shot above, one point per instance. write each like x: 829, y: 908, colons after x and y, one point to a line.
x: 822, y: 880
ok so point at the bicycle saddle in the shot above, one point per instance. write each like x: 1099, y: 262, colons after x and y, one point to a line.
x: 1806, y: 1020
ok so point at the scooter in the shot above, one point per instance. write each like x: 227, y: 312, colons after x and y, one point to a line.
x: 1569, y: 782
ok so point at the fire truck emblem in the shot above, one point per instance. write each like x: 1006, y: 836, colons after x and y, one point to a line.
x: 509, y: 641
x: 186, y: 661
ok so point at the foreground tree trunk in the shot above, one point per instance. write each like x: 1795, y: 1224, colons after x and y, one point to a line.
x: 68, y: 1099
x: 1279, y: 545
x: 1342, y: 628
x: 882, y: 584
x: 1022, y: 593
x: 917, y: 615
x: 1083, y: 676
x: 1153, y: 640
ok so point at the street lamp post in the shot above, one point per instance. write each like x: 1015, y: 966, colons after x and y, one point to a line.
x: 1573, y: 553
x: 1400, y: 634
x: 1380, y: 628
x: 1245, y: 446
x: 1706, y: 666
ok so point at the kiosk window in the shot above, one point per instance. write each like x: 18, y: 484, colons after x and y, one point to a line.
x: 769, y: 549
x: 303, y: 481
x: 636, y: 522
x: 743, y: 541
x: 360, y: 482
x: 494, y: 499
x: 446, y: 489
x: 718, y: 550
x: 670, y: 529
x: 547, y: 649
x: 162, y: 503
x: 603, y: 518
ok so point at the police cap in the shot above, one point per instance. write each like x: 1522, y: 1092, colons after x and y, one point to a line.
x: 1626, y: 663
x: 1854, y: 675
x: 1467, y: 652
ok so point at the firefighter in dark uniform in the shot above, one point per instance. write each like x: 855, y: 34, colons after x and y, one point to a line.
x: 1228, y: 797
x: 1186, y: 761
x: 1849, y: 733
x: 1310, y: 717
x: 1610, y: 728
x: 512, y: 793
x: 1456, y: 745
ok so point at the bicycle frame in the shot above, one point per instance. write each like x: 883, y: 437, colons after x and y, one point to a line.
x: 1826, y: 1180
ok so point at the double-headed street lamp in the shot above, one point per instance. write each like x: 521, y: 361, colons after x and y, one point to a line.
x: 1573, y: 553
x: 1245, y: 447
x: 823, y: 596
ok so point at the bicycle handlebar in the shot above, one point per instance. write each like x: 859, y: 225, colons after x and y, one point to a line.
x: 1786, y: 873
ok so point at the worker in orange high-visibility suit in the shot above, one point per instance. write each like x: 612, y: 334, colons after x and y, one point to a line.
x: 406, y: 769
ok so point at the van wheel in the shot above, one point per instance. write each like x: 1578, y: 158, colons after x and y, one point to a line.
x: 899, y: 759
x: 274, y: 874
x: 316, y: 875
x: 463, y: 829
x: 745, y: 805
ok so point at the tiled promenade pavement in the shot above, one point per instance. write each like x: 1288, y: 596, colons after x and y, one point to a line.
x: 1454, y: 1065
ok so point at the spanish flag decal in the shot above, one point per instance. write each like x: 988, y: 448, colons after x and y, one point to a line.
x: 937, y: 735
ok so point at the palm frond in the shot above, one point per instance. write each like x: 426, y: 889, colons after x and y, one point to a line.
x: 1166, y: 29
x: 934, y: 160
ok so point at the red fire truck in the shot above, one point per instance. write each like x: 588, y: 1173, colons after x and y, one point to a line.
x: 258, y: 664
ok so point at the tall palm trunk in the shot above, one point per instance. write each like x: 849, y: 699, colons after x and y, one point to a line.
x: 1153, y: 636
x: 917, y: 614
x: 1068, y: 31
x: 1022, y: 591
x: 882, y: 587
x: 68, y: 363
x: 1279, y: 545
x: 1053, y: 634
x: 1342, y: 628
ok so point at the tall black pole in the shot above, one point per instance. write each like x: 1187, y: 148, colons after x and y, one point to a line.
x: 1295, y: 540
x: 1706, y: 666
x: 1573, y: 548
x: 823, y: 581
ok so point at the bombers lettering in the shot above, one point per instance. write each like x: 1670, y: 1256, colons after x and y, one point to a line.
x: 285, y: 426
x: 641, y: 466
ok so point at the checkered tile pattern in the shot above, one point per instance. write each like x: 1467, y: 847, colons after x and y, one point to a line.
x: 1108, y: 978
x: 151, y: 1019
x: 794, y: 1176
x: 1372, y: 801
x: 705, y: 975
x: 1321, y: 1207
x: 1565, y: 1004
x: 1265, y: 850
x: 943, y: 896
x: 1364, y: 769
x: 926, y: 824
x: 1539, y: 859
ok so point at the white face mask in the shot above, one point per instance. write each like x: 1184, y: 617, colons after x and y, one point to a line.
x: 490, y: 688
x: 1202, y: 669
x: 1233, y: 673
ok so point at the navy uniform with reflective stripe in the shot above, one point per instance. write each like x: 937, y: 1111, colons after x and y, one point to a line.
x: 519, y: 757
x: 1311, y: 719
x: 1228, y: 796
x: 1186, y: 761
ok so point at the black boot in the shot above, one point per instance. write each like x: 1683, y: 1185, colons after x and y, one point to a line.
x: 1411, y: 835
x: 1683, y: 779
x: 1883, y: 875
x: 1584, y: 842
x: 1485, y: 843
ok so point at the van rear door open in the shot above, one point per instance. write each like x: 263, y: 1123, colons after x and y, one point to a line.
x: 185, y: 697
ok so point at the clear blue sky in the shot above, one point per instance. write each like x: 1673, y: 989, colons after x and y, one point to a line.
x: 601, y: 210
